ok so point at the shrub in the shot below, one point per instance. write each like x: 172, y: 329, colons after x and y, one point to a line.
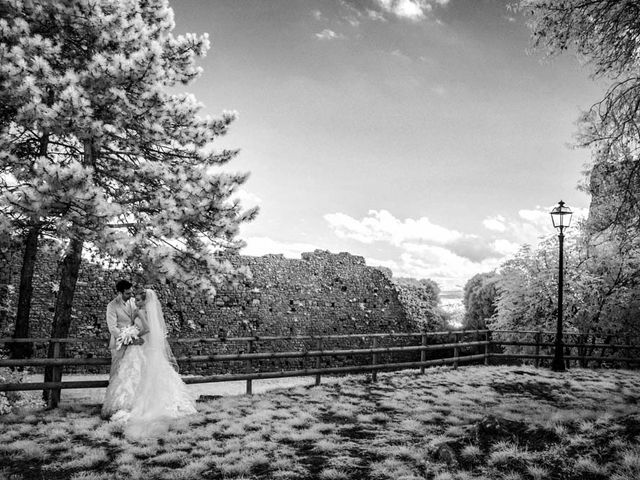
x: 9, y: 401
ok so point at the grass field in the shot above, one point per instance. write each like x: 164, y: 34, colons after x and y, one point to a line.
x: 471, y: 423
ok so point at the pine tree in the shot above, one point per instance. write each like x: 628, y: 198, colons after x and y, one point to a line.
x: 129, y: 167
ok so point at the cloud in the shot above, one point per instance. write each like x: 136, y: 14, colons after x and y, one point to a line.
x: 401, y: 56
x: 258, y: 246
x: 328, y: 34
x: 383, y: 226
x: 446, y: 268
x: 426, y: 250
x: 419, y: 248
x: 407, y: 9
x: 411, y: 10
x: 353, y: 21
x: 530, y: 226
x: 375, y: 16
x: 495, y: 223
x: 505, y: 247
x: 474, y: 248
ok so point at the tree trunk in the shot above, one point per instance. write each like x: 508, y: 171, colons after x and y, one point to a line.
x: 21, y: 330
x: 62, y: 315
x: 25, y: 350
x: 5, y: 282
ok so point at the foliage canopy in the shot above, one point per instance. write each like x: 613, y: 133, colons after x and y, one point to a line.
x: 95, y: 148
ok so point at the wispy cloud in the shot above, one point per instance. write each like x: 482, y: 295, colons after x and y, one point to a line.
x: 383, y: 226
x: 530, y: 226
x: 411, y: 10
x: 505, y: 247
x: 328, y: 34
x: 353, y: 21
x: 449, y: 270
x: 408, y: 9
x: 420, y: 248
x: 380, y: 10
x: 402, y: 56
x: 495, y: 223
x: 375, y: 15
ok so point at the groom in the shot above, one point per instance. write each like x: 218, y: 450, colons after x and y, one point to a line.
x: 121, y: 312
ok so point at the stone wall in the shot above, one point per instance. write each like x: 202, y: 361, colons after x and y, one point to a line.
x: 321, y: 293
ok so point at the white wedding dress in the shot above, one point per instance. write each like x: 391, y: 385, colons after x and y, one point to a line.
x: 145, y: 389
x: 124, y: 380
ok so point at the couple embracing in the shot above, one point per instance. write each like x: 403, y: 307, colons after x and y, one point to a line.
x: 144, y: 388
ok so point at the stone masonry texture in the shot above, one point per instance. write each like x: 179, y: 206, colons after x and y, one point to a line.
x: 320, y: 294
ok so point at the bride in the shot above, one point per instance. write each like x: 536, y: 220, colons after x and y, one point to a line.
x: 145, y: 387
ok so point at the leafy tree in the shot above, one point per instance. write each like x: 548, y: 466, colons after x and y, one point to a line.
x: 25, y: 144
x: 600, y: 291
x: 527, y: 289
x: 479, y: 297
x: 129, y: 167
x: 421, y: 300
x: 606, y: 35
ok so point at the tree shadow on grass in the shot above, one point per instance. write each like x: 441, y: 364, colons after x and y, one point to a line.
x: 537, y: 390
x: 492, y: 429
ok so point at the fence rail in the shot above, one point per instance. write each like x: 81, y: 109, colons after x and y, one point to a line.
x: 244, y: 356
x: 483, y: 346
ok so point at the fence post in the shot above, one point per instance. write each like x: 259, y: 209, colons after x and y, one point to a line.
x: 249, y: 365
x: 374, y: 361
x: 456, y: 352
x: 486, y: 347
x: 53, y: 399
x: 538, y: 340
x: 423, y: 353
x: 318, y: 360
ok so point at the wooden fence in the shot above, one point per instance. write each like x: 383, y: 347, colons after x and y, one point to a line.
x: 450, y: 348
x: 582, y: 350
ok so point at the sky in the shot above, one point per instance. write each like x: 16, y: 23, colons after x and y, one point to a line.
x: 419, y: 134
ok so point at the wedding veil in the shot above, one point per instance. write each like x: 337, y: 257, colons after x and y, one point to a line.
x: 161, y: 393
x: 157, y: 344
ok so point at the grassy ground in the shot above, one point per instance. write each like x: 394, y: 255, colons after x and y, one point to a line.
x: 471, y: 423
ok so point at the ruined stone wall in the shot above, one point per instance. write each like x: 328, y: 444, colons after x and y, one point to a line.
x: 321, y: 293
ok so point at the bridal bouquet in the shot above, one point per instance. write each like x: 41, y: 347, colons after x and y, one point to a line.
x: 127, y: 336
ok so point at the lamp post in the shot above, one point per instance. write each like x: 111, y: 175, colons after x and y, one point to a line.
x: 561, y: 218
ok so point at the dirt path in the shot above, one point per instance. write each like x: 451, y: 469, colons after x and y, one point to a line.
x: 92, y: 396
